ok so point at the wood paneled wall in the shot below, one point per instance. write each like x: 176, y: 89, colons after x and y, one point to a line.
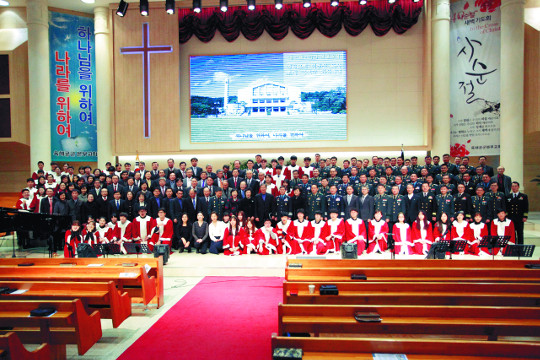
x: 164, y: 84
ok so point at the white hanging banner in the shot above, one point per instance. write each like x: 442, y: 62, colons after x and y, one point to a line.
x: 475, y: 59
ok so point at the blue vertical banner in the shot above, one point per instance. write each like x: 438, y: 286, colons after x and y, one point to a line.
x: 73, y: 83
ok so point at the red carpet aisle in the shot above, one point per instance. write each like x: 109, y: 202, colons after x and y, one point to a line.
x: 222, y: 318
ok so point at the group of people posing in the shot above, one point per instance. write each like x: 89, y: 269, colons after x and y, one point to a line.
x: 283, y: 208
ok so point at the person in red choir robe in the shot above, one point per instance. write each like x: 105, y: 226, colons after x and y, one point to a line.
x: 25, y: 202
x: 288, y: 171
x: 241, y: 218
x: 479, y: 230
x: 402, y: 237
x: 143, y: 227
x: 461, y: 229
x: 377, y: 234
x: 103, y: 231
x: 122, y: 232
x: 336, y: 231
x: 163, y: 231
x: 502, y: 226
x: 233, y: 240
x: 90, y: 235
x: 267, y: 239
x: 73, y: 238
x: 422, y: 234
x: 282, y: 229
x: 301, y: 235
x: 35, y: 205
x: 250, y: 242
x: 319, y: 231
x: 355, y: 231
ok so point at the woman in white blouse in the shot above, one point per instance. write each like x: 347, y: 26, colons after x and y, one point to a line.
x: 216, y: 230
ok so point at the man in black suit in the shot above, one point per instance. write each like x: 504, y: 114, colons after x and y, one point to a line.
x: 211, y: 174
x: 210, y: 186
x: 117, y: 205
x: 131, y: 187
x: 178, y: 207
x: 171, y: 182
x: 161, y: 186
x: 155, y: 203
x: 251, y: 182
x: 196, y: 170
x: 115, y: 186
x: 398, y: 180
x: 192, y: 205
x: 235, y: 180
x: 351, y: 201
x: 411, y: 204
x: 103, y: 203
x: 204, y: 200
x: 265, y: 207
x: 154, y: 171
x: 366, y: 206
x: 46, y: 204
x: 74, y: 206
x: 504, y: 181
x: 171, y: 169
x: 96, y: 189
x: 517, y: 206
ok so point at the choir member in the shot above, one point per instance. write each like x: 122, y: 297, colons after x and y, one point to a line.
x: 267, y: 239
x: 461, y: 229
x: 283, y: 235
x: 143, y: 226
x: 336, y: 231
x: 502, y: 226
x: 355, y: 231
x: 442, y: 229
x: 103, y: 231
x: 89, y: 234
x: 233, y: 241
x: 377, y: 233
x: 319, y: 232
x: 480, y: 231
x: 422, y: 234
x: 73, y: 238
x: 250, y: 244
x: 401, y: 232
x: 163, y: 231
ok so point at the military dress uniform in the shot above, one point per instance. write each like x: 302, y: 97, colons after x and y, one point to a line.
x: 216, y: 205
x: 358, y: 188
x: 428, y: 204
x: 452, y: 189
x: 498, y: 202
x: 284, y: 205
x: 462, y: 202
x: 342, y: 188
x: 517, y: 206
x: 482, y: 204
x: 382, y: 204
x: 315, y: 203
x: 334, y: 181
x: 325, y: 190
x: 445, y: 204
x: 294, y: 183
x: 396, y: 205
x: 335, y: 202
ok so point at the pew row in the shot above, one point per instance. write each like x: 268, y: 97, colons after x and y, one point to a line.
x: 415, y: 349
x: 70, y: 324
x: 133, y: 280
x: 488, y: 321
x: 155, y: 264
x: 412, y: 263
x: 413, y: 293
x: 11, y: 348
x: 100, y: 296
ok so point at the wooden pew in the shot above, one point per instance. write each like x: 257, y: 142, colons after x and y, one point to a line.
x: 416, y: 349
x: 134, y: 280
x: 13, y: 349
x: 155, y: 264
x: 407, y: 319
x: 413, y: 293
x: 412, y: 274
x: 100, y: 296
x: 69, y: 325
x: 413, y: 263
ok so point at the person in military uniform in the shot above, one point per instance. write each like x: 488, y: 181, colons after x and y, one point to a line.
x: 342, y: 188
x: 451, y: 188
x: 445, y: 203
x: 470, y: 185
x: 354, y: 176
x: 305, y: 185
x: 444, y: 171
x: 316, y: 179
x: 517, y: 205
x: 481, y: 204
x: 462, y: 202
x: 324, y: 188
x: 388, y: 188
x: 417, y: 185
x: 372, y: 178
x: 396, y: 205
x: 389, y: 175
x: 382, y: 201
x: 217, y: 204
x: 315, y: 202
x: 452, y: 169
x: 429, y: 166
x: 363, y: 183
x: 415, y: 168
x: 497, y: 198
x: 283, y: 203
x: 295, y: 181
x: 434, y: 188
x: 333, y: 179
x: 335, y: 201
x: 427, y: 202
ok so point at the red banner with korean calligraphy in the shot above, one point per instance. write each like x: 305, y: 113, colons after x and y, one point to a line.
x: 475, y: 57
x: 73, y: 83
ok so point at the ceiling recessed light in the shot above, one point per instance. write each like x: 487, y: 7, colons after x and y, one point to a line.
x: 88, y: 1
x: 4, y: 3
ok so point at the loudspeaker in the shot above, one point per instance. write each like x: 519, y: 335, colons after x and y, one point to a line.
x: 85, y: 251
x: 162, y: 250
x: 349, y: 251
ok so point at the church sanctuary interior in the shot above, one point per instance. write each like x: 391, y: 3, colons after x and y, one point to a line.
x: 270, y: 179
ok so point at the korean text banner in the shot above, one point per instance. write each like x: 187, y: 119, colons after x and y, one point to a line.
x: 475, y: 57
x: 73, y: 82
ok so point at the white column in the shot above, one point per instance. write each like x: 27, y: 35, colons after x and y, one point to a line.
x: 39, y: 82
x: 440, y: 79
x: 512, y: 68
x: 103, y: 84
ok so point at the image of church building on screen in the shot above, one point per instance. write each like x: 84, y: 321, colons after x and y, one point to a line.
x: 265, y: 98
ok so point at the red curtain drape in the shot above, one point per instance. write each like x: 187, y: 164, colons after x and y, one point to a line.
x: 329, y: 20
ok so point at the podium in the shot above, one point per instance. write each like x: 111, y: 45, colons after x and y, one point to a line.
x: 494, y: 242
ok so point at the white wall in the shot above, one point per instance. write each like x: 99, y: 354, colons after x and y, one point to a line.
x: 384, y: 81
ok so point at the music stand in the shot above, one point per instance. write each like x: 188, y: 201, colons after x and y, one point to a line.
x: 492, y: 242
x: 391, y: 245
x: 137, y: 248
x: 106, y: 249
x: 519, y: 250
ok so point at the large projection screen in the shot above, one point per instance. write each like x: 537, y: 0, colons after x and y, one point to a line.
x: 296, y: 96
